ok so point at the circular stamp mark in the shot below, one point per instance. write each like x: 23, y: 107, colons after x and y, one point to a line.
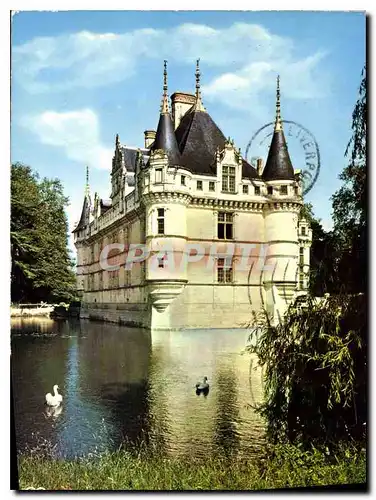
x: 302, y: 145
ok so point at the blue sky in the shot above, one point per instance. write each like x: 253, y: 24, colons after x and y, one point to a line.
x: 78, y: 78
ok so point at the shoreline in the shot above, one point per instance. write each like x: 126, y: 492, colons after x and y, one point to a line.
x: 284, y: 466
x: 21, y: 312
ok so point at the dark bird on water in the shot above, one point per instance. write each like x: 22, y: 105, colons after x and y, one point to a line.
x: 202, y: 387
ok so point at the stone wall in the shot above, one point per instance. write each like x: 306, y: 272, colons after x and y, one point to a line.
x: 137, y: 314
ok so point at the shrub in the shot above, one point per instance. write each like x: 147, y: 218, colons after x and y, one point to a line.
x: 315, y: 372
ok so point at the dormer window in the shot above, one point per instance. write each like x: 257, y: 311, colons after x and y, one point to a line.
x: 245, y: 189
x: 182, y: 180
x: 283, y: 189
x: 303, y: 231
x: 270, y: 189
x: 211, y: 186
x: 228, y: 179
x: 199, y: 185
x: 257, y: 190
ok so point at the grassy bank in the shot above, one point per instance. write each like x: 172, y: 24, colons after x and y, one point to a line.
x: 284, y: 467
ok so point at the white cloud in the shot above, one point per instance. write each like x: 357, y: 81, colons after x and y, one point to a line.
x: 76, y: 132
x: 88, y: 59
x: 244, y: 58
x: 243, y: 88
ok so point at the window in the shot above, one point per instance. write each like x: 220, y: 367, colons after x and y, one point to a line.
x: 257, y: 190
x: 245, y: 189
x: 182, y: 180
x: 303, y: 231
x: 301, y: 259
x: 301, y: 280
x: 283, y: 189
x: 199, y: 185
x: 228, y: 179
x: 211, y: 186
x: 158, y: 174
x: 296, y: 190
x: 225, y: 223
x: 270, y: 189
x: 160, y: 220
x: 224, y: 270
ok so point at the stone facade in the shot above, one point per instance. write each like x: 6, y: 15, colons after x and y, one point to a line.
x: 219, y: 246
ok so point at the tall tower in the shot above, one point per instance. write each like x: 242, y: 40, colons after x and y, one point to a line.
x: 80, y: 232
x: 280, y: 275
x: 165, y: 212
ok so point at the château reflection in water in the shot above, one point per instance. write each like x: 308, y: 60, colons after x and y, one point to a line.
x: 125, y: 386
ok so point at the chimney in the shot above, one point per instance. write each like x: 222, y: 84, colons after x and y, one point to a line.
x: 149, y: 137
x: 181, y: 102
x: 259, y: 166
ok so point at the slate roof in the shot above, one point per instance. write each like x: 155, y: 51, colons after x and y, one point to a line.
x: 165, y: 139
x: 248, y: 171
x: 278, y: 165
x: 198, y: 138
x: 81, y: 224
x: 130, y: 156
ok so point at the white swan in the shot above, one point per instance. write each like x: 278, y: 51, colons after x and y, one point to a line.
x: 56, y: 399
x: 53, y: 411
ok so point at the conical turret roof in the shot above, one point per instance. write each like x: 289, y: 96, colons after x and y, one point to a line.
x: 165, y: 138
x: 85, y: 206
x: 278, y: 164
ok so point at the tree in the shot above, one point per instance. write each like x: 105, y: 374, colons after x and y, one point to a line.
x: 350, y: 202
x: 316, y: 358
x: 323, y: 255
x: 316, y: 372
x: 25, y: 202
x: 41, y: 266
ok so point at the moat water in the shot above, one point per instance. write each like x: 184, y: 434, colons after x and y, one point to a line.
x: 125, y: 386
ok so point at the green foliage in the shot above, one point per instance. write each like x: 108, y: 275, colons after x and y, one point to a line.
x: 339, y: 257
x: 277, y: 467
x: 41, y: 266
x: 315, y: 372
x: 350, y: 202
x: 323, y: 277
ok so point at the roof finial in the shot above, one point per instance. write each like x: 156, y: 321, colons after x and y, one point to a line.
x: 87, y: 187
x: 198, y: 106
x: 164, y: 106
x: 117, y: 141
x: 278, y: 120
